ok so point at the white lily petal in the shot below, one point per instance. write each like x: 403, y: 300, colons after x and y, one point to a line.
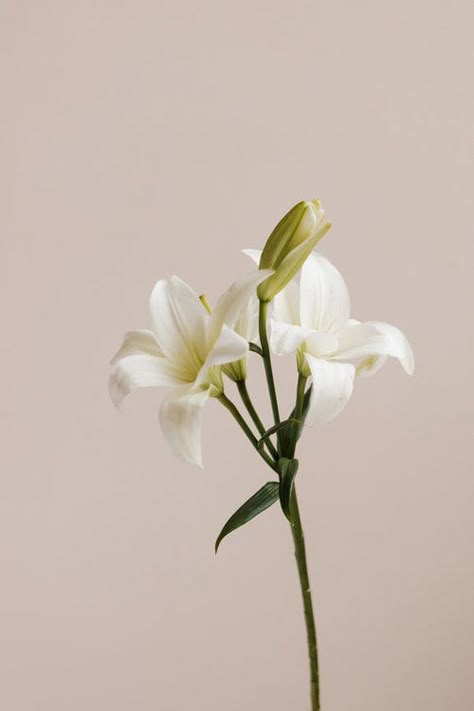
x: 370, y: 365
x: 286, y: 304
x: 332, y: 388
x: 138, y: 343
x: 375, y: 338
x: 322, y: 345
x: 324, y: 298
x: 285, y: 338
x: 396, y: 345
x: 254, y: 254
x: 247, y: 322
x: 233, y: 301
x: 228, y: 347
x: 179, y: 323
x: 180, y: 420
x: 140, y: 371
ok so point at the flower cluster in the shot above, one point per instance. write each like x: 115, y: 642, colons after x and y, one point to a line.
x: 295, y: 300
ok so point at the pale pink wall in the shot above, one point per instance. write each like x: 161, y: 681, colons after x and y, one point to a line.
x: 144, y: 138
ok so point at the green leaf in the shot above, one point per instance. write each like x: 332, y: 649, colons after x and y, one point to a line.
x: 255, y: 348
x: 288, y: 469
x: 273, y: 430
x: 265, y: 497
x: 292, y: 430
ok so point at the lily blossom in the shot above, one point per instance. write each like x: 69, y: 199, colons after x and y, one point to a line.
x: 313, y: 320
x: 184, y: 350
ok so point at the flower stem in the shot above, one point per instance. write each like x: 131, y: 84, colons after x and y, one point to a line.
x: 229, y: 405
x: 298, y: 410
x: 300, y: 554
x: 262, y: 324
x: 246, y: 399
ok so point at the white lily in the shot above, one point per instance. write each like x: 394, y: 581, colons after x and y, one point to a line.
x: 184, y: 349
x: 313, y: 320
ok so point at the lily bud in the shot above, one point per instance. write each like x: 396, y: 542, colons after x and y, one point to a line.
x: 290, y: 244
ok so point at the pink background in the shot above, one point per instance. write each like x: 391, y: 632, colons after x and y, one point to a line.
x: 145, y: 138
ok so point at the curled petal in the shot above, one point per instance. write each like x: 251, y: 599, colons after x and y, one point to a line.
x: 181, y: 420
x: 396, y: 345
x: 139, y: 371
x: 324, y: 298
x: 138, y: 343
x: 332, y: 388
x: 374, y: 338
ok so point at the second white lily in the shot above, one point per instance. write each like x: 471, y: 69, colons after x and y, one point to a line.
x: 313, y: 320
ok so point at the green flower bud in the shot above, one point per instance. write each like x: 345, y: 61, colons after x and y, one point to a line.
x: 290, y: 244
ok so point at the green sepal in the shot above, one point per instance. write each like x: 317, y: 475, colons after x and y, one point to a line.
x: 293, y: 428
x: 263, y: 499
x: 288, y: 469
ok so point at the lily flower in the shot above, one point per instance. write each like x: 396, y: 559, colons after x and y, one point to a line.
x: 313, y: 320
x: 184, y: 350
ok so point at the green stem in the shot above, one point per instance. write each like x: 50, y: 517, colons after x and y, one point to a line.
x: 229, y: 405
x: 300, y: 554
x: 246, y: 399
x: 300, y: 395
x: 262, y: 324
x: 298, y: 409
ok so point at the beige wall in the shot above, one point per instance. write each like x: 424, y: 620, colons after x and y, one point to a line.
x: 143, y: 138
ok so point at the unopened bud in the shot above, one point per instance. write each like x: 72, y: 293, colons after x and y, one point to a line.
x: 290, y: 244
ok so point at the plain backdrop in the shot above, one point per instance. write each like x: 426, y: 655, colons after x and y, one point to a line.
x: 145, y: 138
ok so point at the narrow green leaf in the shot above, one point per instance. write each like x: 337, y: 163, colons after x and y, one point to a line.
x: 288, y: 469
x: 272, y: 430
x: 255, y: 348
x: 296, y: 429
x: 306, y: 403
x: 265, y: 497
